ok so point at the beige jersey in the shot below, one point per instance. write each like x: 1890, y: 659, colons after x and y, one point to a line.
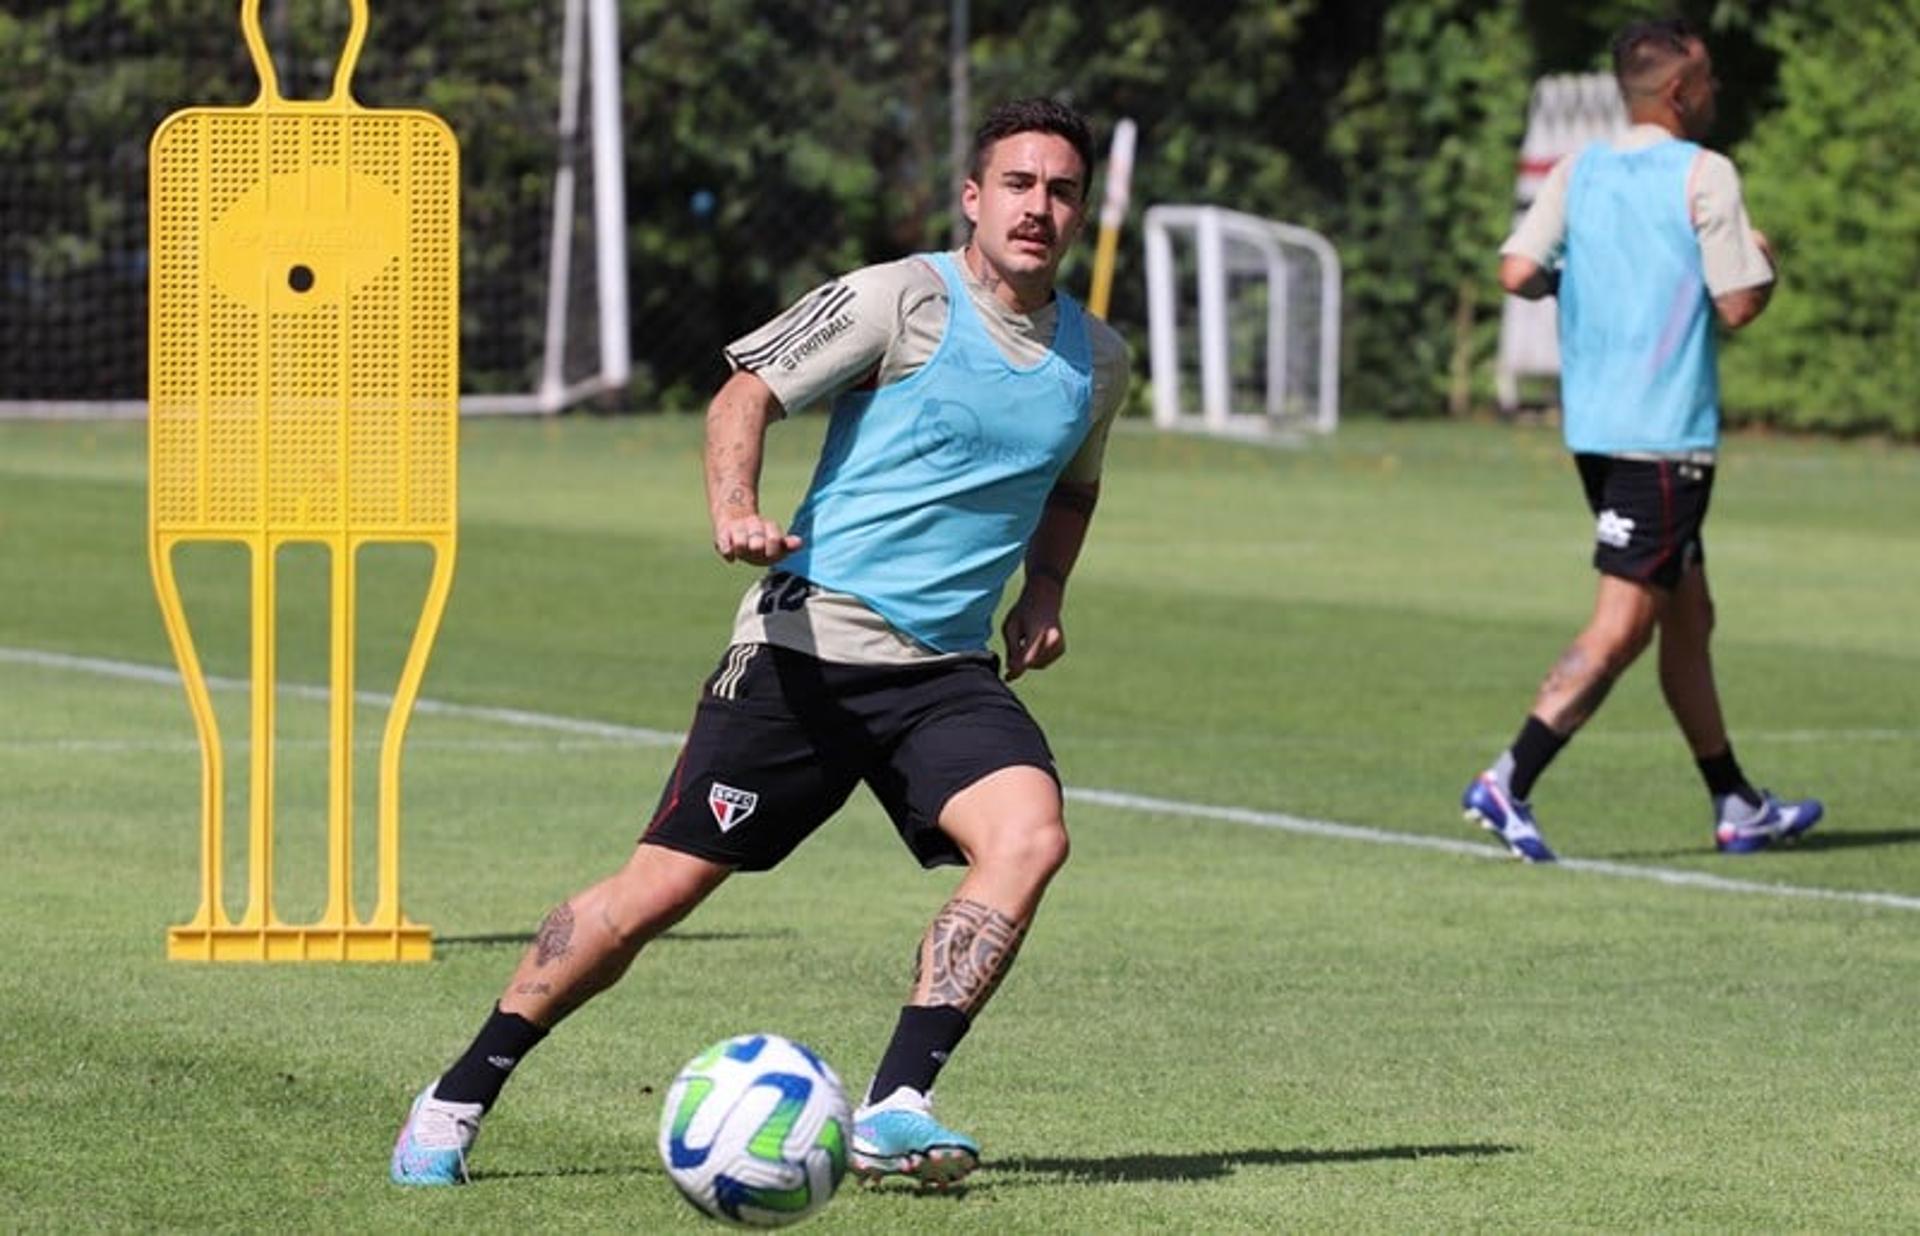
x: 873, y: 327
x: 1731, y: 257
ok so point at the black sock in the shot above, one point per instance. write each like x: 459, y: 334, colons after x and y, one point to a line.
x: 478, y: 1076
x: 922, y: 1041
x: 1723, y: 776
x: 1532, y: 751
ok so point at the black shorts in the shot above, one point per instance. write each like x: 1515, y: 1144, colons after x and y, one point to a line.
x: 780, y: 739
x: 1648, y: 515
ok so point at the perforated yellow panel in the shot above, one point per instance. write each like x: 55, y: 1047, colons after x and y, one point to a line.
x: 304, y: 387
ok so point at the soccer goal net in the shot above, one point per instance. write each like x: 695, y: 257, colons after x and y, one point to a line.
x: 543, y: 263
x: 1243, y: 320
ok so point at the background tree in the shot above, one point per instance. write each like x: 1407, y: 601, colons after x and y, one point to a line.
x: 1215, y: 86
x: 772, y: 143
x: 1832, y: 179
x: 1425, y: 136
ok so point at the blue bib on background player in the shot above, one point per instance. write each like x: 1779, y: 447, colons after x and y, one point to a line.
x: 1637, y: 366
x: 928, y: 488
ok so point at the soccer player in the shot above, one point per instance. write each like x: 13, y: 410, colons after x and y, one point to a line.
x: 970, y: 408
x: 1644, y: 240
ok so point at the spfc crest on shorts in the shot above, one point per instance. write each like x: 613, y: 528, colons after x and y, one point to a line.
x: 730, y: 806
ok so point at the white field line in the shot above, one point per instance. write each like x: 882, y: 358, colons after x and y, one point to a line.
x: 1278, y: 821
x: 128, y: 670
x: 1376, y: 836
x: 502, y: 746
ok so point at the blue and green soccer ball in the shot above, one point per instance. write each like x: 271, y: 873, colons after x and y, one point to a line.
x: 755, y: 1131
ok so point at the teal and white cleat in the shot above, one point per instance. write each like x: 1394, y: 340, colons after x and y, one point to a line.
x: 433, y: 1143
x: 900, y: 1137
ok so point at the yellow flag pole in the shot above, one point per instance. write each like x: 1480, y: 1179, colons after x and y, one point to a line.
x: 1113, y: 211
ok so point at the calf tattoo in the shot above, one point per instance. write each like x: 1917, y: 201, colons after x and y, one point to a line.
x: 964, y: 955
x: 1589, y: 681
x: 556, y: 935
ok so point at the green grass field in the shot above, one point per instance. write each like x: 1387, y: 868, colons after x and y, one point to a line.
x: 1223, y: 1021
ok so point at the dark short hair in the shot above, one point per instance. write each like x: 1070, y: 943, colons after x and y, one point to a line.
x: 1032, y: 116
x: 1646, y: 46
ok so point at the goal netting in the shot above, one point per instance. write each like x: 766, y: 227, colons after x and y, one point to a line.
x: 543, y: 274
x: 1243, y: 319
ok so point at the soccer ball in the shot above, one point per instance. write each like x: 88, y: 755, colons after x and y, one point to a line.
x: 755, y: 1131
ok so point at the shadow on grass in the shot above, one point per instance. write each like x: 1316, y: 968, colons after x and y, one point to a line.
x: 520, y: 939
x: 1661, y: 856
x: 1816, y: 840
x: 1140, y: 1167
x: 1115, y: 1168
x: 557, y: 1173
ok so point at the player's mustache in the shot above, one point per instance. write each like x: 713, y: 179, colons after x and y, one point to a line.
x: 1033, y: 231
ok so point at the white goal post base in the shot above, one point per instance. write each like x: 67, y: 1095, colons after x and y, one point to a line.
x: 1293, y: 357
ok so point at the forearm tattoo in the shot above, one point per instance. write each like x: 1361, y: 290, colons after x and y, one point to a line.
x: 555, y: 939
x: 967, y: 950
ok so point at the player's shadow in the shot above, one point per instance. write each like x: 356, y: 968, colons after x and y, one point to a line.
x: 1190, y: 1167
x: 520, y: 939
x: 1843, y: 840
x: 1817, y: 840
x: 555, y: 1173
x: 1114, y: 1169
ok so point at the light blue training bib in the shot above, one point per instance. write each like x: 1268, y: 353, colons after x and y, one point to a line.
x: 928, y: 489
x: 1637, y: 356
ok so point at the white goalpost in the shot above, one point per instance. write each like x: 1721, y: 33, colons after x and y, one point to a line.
x: 1243, y: 319
x: 590, y: 50
x: 544, y: 284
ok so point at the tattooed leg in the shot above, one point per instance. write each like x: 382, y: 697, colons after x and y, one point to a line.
x: 1623, y: 622
x: 1008, y: 825
x: 965, y: 953
x: 960, y: 962
x: 1575, y: 688
x: 586, y: 943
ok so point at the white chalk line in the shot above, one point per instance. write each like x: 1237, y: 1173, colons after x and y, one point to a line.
x: 1114, y: 799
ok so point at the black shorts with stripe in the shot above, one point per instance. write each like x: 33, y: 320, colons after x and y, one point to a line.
x: 780, y: 739
x: 1648, y: 515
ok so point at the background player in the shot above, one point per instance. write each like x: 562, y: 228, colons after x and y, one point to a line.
x: 1644, y: 240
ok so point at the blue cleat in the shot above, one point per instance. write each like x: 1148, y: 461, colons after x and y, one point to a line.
x: 1741, y: 828
x: 433, y: 1143
x: 901, y: 1138
x: 1488, y: 804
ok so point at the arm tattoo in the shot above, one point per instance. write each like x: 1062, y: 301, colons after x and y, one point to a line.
x: 556, y: 935
x: 968, y: 950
